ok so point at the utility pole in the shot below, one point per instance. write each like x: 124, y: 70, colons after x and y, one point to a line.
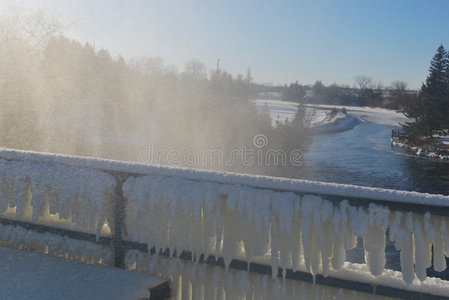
x: 218, y: 64
x: 94, y: 41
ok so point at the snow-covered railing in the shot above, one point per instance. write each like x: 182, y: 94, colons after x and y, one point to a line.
x: 53, y: 197
x: 284, y: 226
x: 45, y: 192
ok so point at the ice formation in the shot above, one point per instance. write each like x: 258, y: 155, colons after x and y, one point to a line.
x: 56, y: 245
x: 203, y: 282
x: 224, y: 215
x: 295, y: 232
x: 264, y: 182
x: 79, y: 198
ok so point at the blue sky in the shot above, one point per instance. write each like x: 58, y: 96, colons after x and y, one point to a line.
x: 281, y: 41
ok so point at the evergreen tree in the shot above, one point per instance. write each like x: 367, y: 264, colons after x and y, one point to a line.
x: 319, y: 92
x: 294, y: 92
x: 445, y: 103
x: 431, y: 111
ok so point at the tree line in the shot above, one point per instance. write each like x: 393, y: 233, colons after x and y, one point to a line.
x: 58, y: 95
x: 364, y: 93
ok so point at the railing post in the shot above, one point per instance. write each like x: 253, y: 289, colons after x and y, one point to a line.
x: 119, y: 222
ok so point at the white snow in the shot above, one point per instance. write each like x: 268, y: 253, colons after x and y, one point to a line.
x: 28, y: 275
x: 278, y: 110
x: 264, y: 182
x: 369, y: 114
x: 338, y: 123
x: 204, y: 282
x: 240, y: 222
x: 444, y: 139
x: 56, y: 245
x: 430, y: 153
x: 223, y: 214
x: 283, y: 110
x: 44, y: 191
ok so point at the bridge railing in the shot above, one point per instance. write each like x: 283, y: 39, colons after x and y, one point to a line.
x: 340, y: 235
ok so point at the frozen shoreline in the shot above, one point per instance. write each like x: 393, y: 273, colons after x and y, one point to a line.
x: 339, y: 124
x: 420, y: 152
x: 323, y: 124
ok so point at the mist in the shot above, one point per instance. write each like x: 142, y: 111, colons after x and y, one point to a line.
x: 61, y: 96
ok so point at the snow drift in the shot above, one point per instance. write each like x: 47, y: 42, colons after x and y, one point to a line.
x: 338, y: 124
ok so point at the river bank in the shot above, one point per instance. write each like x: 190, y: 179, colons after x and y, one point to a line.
x: 365, y: 156
x: 435, y: 150
x: 323, y: 122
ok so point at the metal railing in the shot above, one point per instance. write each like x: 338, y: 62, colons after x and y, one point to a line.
x: 118, y: 241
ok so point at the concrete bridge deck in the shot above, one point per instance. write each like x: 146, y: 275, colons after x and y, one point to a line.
x: 29, y: 275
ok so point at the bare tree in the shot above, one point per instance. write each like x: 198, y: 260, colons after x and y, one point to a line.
x: 30, y: 27
x: 397, y: 95
x: 195, y: 69
x: 363, y: 82
x: 148, y: 65
x: 398, y: 85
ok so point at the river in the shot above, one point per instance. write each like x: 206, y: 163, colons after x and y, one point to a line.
x: 364, y: 155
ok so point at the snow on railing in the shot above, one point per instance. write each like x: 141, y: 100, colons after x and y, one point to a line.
x: 54, y: 244
x: 50, y: 192
x: 298, y: 232
x: 291, y: 225
x: 205, y: 282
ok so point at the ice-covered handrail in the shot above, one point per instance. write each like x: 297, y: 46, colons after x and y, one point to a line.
x: 265, y: 182
x: 297, y: 232
x: 45, y: 191
x: 295, y: 224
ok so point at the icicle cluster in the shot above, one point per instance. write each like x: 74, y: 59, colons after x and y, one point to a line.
x: 55, y: 245
x: 203, y: 282
x: 300, y: 233
x: 36, y: 191
x: 415, y: 236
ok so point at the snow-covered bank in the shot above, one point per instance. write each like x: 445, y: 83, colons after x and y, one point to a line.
x: 430, y: 152
x: 284, y: 110
x: 322, y: 122
x: 278, y: 110
x: 369, y: 114
x: 337, y: 124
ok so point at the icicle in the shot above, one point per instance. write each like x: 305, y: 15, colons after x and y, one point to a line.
x: 420, y: 251
x: 231, y: 231
x: 286, y: 204
x: 445, y: 234
x: 407, y: 247
x: 375, y: 239
x: 439, y: 261
x: 297, y: 252
x: 326, y: 238
x: 274, y: 248
x: 235, y: 221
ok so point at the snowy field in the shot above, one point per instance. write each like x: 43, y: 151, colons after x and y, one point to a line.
x: 370, y: 114
x: 283, y: 110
